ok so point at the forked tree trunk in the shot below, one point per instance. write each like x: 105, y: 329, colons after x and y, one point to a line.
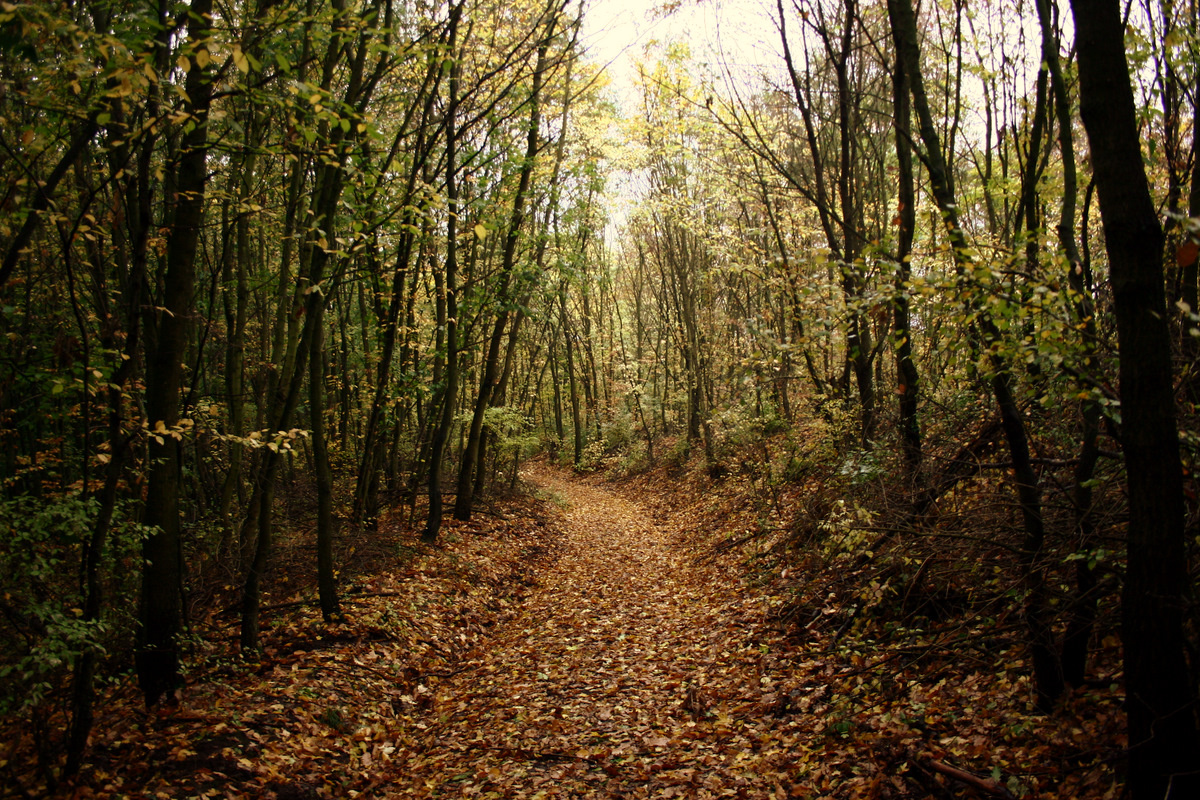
x: 1047, y: 671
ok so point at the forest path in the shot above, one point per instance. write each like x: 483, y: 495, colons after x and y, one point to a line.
x: 632, y: 671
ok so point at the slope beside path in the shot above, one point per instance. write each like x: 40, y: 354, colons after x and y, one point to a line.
x: 635, y: 670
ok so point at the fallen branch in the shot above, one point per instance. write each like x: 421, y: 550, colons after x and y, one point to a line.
x: 985, y: 785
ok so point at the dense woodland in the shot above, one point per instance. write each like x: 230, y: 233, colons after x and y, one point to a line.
x: 925, y: 288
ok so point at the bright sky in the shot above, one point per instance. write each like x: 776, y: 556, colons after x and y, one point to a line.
x: 616, y: 33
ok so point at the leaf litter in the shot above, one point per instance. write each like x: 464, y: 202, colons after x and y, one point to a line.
x: 616, y: 648
x: 631, y: 672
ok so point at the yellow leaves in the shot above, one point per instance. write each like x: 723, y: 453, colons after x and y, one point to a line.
x: 202, y: 57
x: 239, y: 60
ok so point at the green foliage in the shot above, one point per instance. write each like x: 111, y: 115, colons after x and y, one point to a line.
x: 678, y: 451
x: 513, y: 431
x: 618, y: 432
x: 739, y: 427
x: 42, y: 545
x: 847, y: 530
x: 860, y: 467
x: 592, y: 456
x: 634, y: 458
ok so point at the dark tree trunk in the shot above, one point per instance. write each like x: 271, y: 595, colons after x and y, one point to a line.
x: 448, y: 318
x: 1047, y: 672
x: 1163, y: 746
x: 161, y: 604
x: 331, y: 610
x: 577, y: 429
x: 491, y: 364
x: 1082, y: 611
x: 906, y: 368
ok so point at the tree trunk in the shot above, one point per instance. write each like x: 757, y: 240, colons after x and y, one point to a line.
x: 491, y: 363
x: 448, y: 318
x: 1163, y: 745
x: 1047, y: 672
x: 162, y: 574
x: 326, y: 582
x: 1082, y: 610
x: 907, y: 377
x: 577, y: 429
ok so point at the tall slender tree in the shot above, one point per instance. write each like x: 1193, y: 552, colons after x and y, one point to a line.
x: 167, y: 324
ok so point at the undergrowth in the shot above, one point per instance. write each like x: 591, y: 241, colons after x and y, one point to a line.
x: 906, y: 628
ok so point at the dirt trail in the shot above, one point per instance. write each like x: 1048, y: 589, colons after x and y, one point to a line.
x: 632, y: 671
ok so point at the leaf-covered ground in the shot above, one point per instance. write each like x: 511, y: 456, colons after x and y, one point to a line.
x: 631, y: 672
x: 317, y: 709
x: 652, y: 662
x: 611, y: 643
x: 887, y: 684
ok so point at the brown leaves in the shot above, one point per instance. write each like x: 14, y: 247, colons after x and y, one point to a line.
x: 631, y: 672
x: 639, y: 664
x: 316, y: 711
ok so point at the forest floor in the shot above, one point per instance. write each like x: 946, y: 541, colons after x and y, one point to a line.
x: 593, y: 640
x: 634, y: 671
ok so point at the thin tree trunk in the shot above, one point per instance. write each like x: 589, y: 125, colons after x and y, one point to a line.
x: 448, y: 318
x: 491, y: 365
x: 1082, y: 611
x: 908, y: 379
x: 573, y: 388
x: 1047, y: 671
x: 326, y: 582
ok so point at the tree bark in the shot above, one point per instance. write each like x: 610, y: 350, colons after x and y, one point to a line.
x: 161, y: 614
x: 326, y: 581
x: 1047, y: 671
x: 1082, y: 610
x: 491, y: 363
x: 908, y: 379
x: 1164, y: 748
x: 449, y: 308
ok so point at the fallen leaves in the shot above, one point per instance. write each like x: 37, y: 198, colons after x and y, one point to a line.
x: 312, y: 714
x: 604, y: 651
x: 630, y: 672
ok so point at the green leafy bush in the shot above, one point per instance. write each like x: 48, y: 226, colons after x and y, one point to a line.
x: 42, y: 621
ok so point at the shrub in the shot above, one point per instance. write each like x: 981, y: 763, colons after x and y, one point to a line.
x: 42, y: 545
